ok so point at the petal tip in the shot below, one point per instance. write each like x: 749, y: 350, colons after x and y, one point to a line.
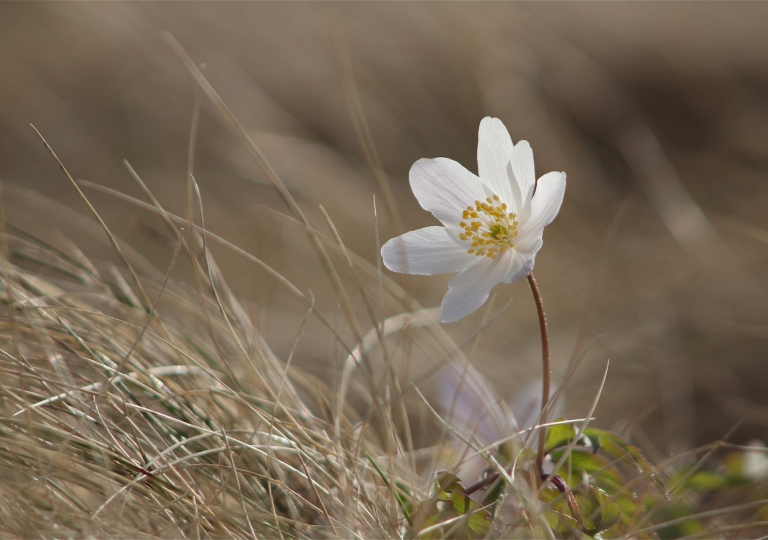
x: 489, y: 119
x: 450, y: 317
x: 492, y: 123
x: 419, y: 164
x: 386, y: 253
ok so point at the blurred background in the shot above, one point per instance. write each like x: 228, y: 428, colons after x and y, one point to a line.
x: 658, y: 113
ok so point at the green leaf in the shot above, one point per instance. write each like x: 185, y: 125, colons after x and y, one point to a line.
x: 597, y: 467
x: 562, y: 524
x: 493, y: 494
x: 733, y: 464
x: 561, y: 435
x: 706, y: 481
x: 479, y: 520
x: 404, y: 499
x: 674, y: 509
x: 427, y: 514
x: 448, y: 503
x: 617, y: 448
x: 461, y: 503
x: 599, y: 511
x: 594, y: 440
x: 404, y: 504
x: 557, y: 513
x: 558, y: 435
x: 447, y: 481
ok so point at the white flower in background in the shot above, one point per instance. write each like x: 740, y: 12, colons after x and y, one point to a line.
x: 755, y: 464
x: 493, y: 223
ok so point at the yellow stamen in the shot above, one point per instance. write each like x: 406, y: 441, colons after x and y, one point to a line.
x: 491, y: 230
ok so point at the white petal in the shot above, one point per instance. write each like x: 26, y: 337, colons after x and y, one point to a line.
x: 430, y: 250
x: 517, y: 203
x: 494, y: 150
x: 522, y: 166
x: 528, y: 246
x: 522, y: 264
x: 445, y: 188
x: 470, y: 289
x: 545, y: 204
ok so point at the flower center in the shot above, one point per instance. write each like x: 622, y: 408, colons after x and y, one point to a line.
x: 488, y: 227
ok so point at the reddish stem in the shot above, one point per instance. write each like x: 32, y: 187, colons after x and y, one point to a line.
x: 560, y: 484
x: 545, y: 365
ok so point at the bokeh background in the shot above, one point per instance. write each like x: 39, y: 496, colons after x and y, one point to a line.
x: 658, y: 112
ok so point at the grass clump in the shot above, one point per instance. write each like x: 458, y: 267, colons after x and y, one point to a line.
x: 176, y: 419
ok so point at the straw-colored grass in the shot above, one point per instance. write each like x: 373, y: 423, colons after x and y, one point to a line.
x: 148, y: 404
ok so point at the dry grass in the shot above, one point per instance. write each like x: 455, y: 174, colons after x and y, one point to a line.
x: 146, y: 407
x: 684, y: 327
x: 170, y: 418
x: 142, y: 396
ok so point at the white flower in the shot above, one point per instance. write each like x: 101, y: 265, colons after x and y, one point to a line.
x: 493, y: 223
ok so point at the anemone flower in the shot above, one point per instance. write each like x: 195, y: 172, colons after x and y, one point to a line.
x: 492, y: 223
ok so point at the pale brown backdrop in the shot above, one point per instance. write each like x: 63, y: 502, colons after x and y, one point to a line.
x: 657, y: 112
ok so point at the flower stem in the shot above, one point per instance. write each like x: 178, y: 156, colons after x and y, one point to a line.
x: 545, y: 365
